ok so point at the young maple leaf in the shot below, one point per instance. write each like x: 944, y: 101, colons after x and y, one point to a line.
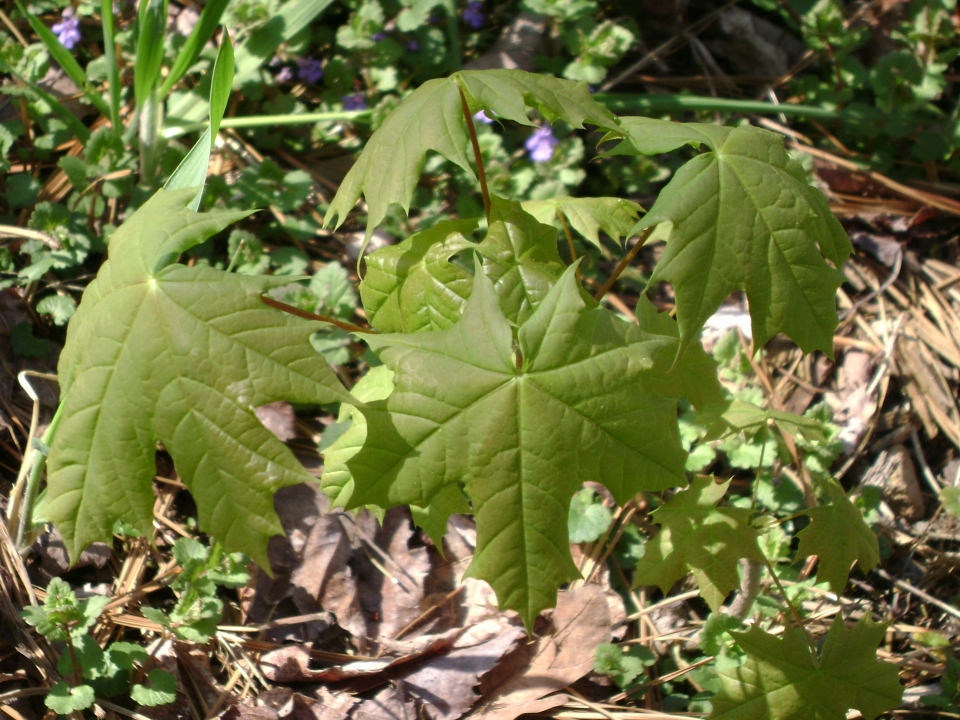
x: 581, y: 396
x: 183, y: 355
x: 839, y: 537
x: 782, y: 680
x: 698, y: 536
x: 744, y: 217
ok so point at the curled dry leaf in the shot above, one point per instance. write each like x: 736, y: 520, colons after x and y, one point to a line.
x: 580, y: 622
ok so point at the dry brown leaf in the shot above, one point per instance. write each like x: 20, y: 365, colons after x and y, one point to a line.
x: 246, y: 712
x: 564, y: 655
x: 856, y: 406
x: 278, y: 418
x: 329, y: 705
x: 389, y: 704
x: 445, y: 684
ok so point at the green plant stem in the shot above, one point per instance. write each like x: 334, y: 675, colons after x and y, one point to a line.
x: 621, y: 266
x: 793, y: 610
x: 619, y: 102
x: 33, y: 481
x: 149, y: 137
x: 481, y: 173
x: 174, y: 131
x: 77, y: 671
x: 113, y: 73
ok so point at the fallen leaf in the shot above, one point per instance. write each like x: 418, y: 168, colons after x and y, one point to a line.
x: 445, y: 684
x: 389, y: 704
x: 580, y: 622
x: 329, y: 705
x: 278, y: 418
x: 246, y: 712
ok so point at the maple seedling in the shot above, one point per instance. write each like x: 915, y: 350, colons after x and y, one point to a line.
x: 504, y: 384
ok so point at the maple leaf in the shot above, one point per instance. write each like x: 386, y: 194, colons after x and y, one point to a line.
x: 697, y: 536
x: 588, y: 216
x: 337, y: 481
x: 747, y: 417
x: 839, y: 537
x: 183, y: 355
x: 520, y: 256
x: 744, y: 217
x: 431, y: 119
x: 412, y: 286
x: 586, y: 397
x: 782, y: 680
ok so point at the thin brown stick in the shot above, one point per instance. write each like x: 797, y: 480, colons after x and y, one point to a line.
x: 621, y: 266
x: 481, y: 173
x: 291, y: 310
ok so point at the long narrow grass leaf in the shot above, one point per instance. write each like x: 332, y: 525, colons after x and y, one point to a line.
x: 149, y: 49
x: 201, y: 34
x: 221, y: 84
x: 110, y: 53
x: 192, y: 170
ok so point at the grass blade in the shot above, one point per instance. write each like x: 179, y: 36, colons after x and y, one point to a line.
x: 110, y: 52
x: 65, y: 59
x: 202, y: 32
x: 221, y: 84
x: 153, y: 21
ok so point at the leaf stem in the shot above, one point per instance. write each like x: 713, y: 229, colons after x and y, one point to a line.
x: 33, y: 481
x: 621, y: 266
x: 481, y: 173
x: 793, y: 609
x: 291, y: 310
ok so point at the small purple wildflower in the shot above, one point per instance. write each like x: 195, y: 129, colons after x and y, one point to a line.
x: 377, y: 37
x: 354, y: 101
x: 482, y: 117
x: 413, y: 46
x: 68, y: 29
x: 285, y: 75
x: 310, y: 70
x: 540, y: 144
x: 473, y: 14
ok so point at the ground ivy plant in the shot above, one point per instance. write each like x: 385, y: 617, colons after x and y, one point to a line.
x: 504, y: 385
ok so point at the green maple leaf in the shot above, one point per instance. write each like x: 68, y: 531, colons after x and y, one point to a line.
x: 158, y: 351
x: 582, y: 396
x: 520, y: 256
x: 337, y: 481
x: 839, y: 537
x: 431, y: 119
x: 744, y: 217
x: 699, y: 537
x: 782, y: 680
x: 747, y: 417
x: 588, y: 216
x: 412, y: 286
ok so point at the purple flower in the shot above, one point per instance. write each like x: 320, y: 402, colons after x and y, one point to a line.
x: 540, y: 144
x: 482, y: 117
x: 285, y: 75
x: 413, y: 46
x: 377, y: 37
x: 68, y: 29
x: 473, y: 14
x: 310, y: 70
x: 354, y: 101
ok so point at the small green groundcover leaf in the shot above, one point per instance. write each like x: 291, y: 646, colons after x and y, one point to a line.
x: 589, y: 518
x: 159, y: 351
x: 576, y: 369
x: 744, y: 217
x: 160, y: 689
x: 699, y: 537
x: 63, y: 699
x: 782, y: 680
x: 839, y: 536
x: 950, y: 497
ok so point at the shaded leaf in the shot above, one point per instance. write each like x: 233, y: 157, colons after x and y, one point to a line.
x: 839, y: 537
x: 699, y: 537
x: 588, y: 216
x: 782, y: 680
x: 466, y: 410
x: 744, y: 217
x: 412, y: 286
x: 520, y: 256
x: 161, y: 689
x: 183, y: 355
x: 747, y: 417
